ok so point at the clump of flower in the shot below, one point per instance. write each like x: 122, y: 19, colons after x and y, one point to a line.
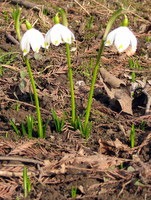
x: 123, y: 39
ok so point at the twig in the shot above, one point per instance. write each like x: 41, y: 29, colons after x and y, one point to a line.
x: 123, y: 187
x: 24, y: 103
x: 21, y: 159
x: 31, y: 5
x: 103, y: 6
x: 11, y: 38
x: 25, y: 3
x: 13, y: 174
x: 11, y: 67
x: 82, y: 7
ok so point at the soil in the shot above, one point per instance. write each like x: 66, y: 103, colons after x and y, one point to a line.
x: 65, y: 165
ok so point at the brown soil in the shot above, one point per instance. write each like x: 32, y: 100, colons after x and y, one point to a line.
x: 104, y: 167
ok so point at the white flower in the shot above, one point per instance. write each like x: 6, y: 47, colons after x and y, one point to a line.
x: 123, y: 39
x: 58, y: 34
x: 33, y: 38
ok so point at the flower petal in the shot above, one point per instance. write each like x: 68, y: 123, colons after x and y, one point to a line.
x: 121, y: 43
x: 33, y: 38
x: 47, y: 39
x: 133, y: 45
x: 58, y: 34
x: 110, y: 38
x: 123, y: 39
x: 53, y: 36
x: 36, y: 40
x: 24, y: 44
x: 66, y: 34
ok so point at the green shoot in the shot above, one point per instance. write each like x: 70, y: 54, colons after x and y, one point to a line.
x: 90, y: 22
x: 1, y: 71
x: 59, y: 122
x: 45, y: 11
x: 28, y: 128
x: 6, y: 16
x: 79, y: 125
x: 121, y: 166
x: 148, y: 38
x: 26, y: 182
x: 133, y: 77
x: 86, y: 130
x: 12, y: 123
x: 30, y: 123
x: 7, y: 58
x: 73, y: 192
x: 134, y: 64
x: 24, y: 129
x: 17, y: 107
x: 132, y: 136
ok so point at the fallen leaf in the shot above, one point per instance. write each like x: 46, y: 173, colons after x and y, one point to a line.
x: 117, y: 90
x: 111, y: 145
x: 99, y: 161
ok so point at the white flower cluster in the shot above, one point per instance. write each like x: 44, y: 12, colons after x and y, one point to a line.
x: 56, y: 35
x: 122, y: 37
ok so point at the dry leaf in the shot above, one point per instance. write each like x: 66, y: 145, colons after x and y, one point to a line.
x: 7, y: 190
x: 110, y: 79
x: 99, y: 161
x: 117, y: 90
x: 110, y: 145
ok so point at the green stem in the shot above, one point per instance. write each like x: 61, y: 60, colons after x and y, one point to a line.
x: 64, y: 17
x: 95, y: 72
x: 90, y: 98
x: 40, y: 128
x: 25, y: 182
x: 71, y: 83
x: 17, y: 23
x: 70, y: 74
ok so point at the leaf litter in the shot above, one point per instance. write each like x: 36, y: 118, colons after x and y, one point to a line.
x: 104, y: 167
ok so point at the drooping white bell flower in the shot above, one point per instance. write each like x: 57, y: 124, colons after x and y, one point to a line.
x: 123, y: 39
x: 31, y: 38
x: 58, y: 34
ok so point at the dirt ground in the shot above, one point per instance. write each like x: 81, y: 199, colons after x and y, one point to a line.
x: 65, y: 165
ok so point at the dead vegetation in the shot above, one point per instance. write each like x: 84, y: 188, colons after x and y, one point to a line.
x: 104, y: 167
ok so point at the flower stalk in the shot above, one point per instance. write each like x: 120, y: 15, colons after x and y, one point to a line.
x: 70, y: 73
x: 95, y: 71
x: 39, y: 119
